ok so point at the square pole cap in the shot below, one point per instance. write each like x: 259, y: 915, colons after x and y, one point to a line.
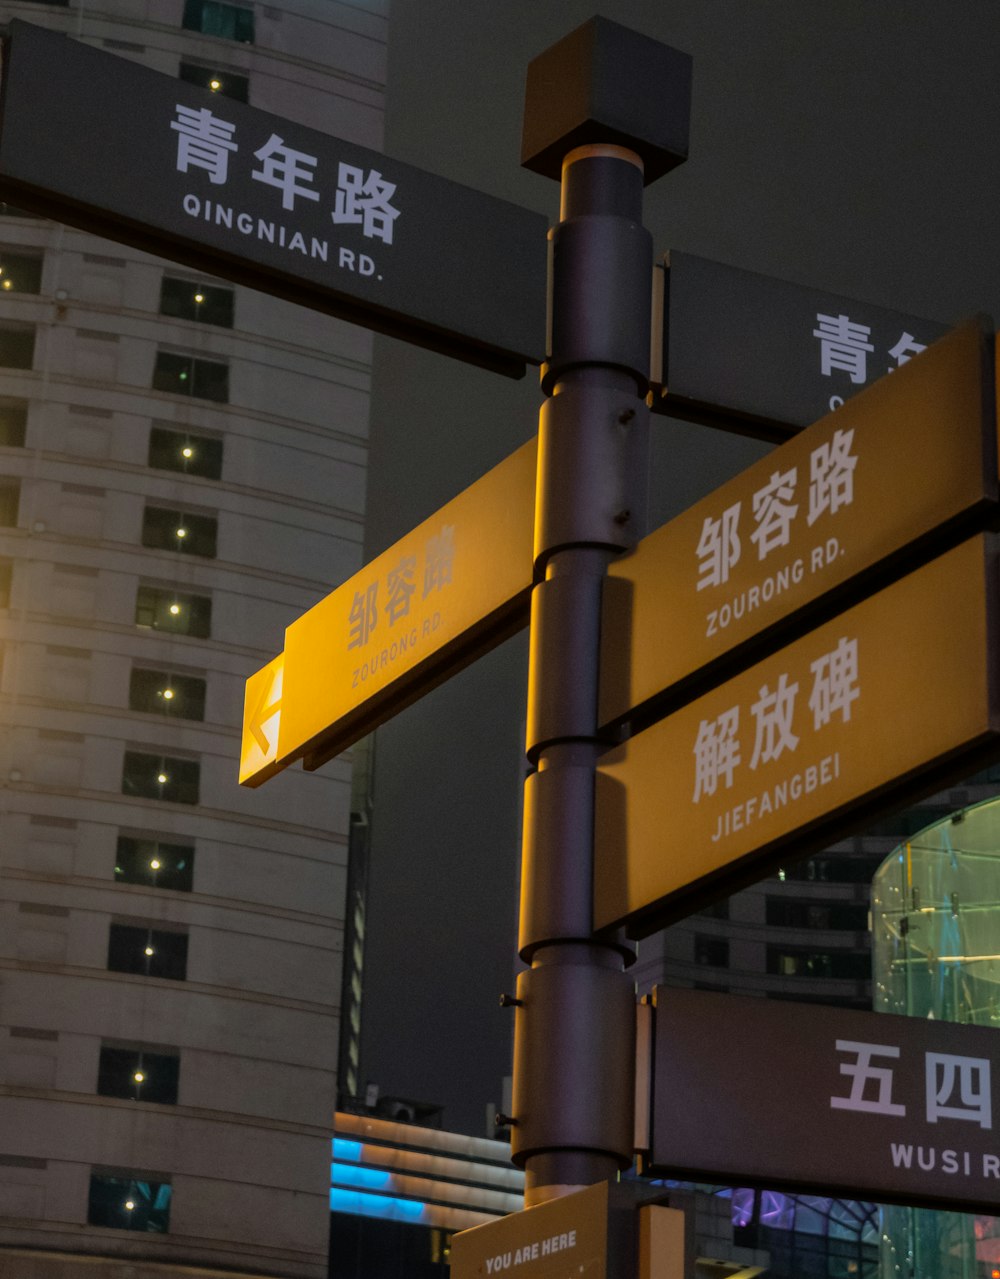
x: 604, y: 83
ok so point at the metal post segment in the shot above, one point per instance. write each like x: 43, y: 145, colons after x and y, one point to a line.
x: 574, y: 1023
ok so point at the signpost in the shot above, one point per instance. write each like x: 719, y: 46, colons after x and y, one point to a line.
x: 882, y: 699
x: 742, y: 351
x: 447, y: 592
x: 885, y: 481
x: 872, y: 709
x: 118, y: 149
x: 753, y: 1092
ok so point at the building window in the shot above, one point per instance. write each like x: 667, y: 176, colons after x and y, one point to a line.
x: 17, y: 346
x: 166, y: 530
x: 121, y: 1202
x: 182, y: 375
x: 206, y: 303
x: 847, y: 916
x: 225, y: 83
x: 181, y: 451
x: 164, y: 693
x: 154, y: 863
x: 213, y: 18
x: 161, y: 777
x: 13, y: 423
x: 163, y: 609
x: 713, y: 951
x: 6, y: 575
x: 10, y: 500
x: 148, y: 952
x: 845, y: 965
x: 20, y: 272
x: 138, y: 1074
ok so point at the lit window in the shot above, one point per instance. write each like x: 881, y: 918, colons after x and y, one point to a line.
x: 185, y: 375
x: 226, y: 83
x: 181, y: 451
x: 164, y: 609
x: 161, y: 777
x: 20, y: 272
x: 206, y: 303
x: 122, y: 1202
x: 213, y: 18
x: 167, y: 530
x: 147, y: 952
x: 154, y: 863
x: 166, y: 693
x: 139, y: 1074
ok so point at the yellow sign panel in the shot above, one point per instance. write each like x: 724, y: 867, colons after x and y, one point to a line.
x: 875, y: 703
x: 443, y: 594
x: 904, y: 460
x: 563, y: 1238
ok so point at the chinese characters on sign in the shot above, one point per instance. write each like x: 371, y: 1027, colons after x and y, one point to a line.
x: 955, y: 1087
x: 206, y: 141
x: 773, y: 506
x: 717, y: 748
x: 438, y: 558
x: 845, y: 346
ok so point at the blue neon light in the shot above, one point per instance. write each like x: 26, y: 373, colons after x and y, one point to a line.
x: 344, y: 1149
x: 365, y: 1178
x: 358, y: 1204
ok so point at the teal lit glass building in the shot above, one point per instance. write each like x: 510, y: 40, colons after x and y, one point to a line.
x: 936, y: 953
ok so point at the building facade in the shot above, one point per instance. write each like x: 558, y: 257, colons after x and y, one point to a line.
x: 182, y: 468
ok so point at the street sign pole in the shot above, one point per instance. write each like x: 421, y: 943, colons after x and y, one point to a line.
x: 588, y: 120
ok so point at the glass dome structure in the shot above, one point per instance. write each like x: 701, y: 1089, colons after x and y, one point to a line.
x: 936, y: 953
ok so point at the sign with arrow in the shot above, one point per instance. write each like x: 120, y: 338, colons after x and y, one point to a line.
x: 451, y: 589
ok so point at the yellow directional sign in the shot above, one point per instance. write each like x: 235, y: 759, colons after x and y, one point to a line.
x: 445, y: 593
x: 884, y: 479
x: 874, y: 707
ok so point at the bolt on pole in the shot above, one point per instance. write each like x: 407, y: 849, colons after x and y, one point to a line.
x: 606, y: 113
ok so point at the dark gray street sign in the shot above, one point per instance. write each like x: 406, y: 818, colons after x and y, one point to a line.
x: 765, y: 357
x: 759, y: 1092
x: 100, y: 143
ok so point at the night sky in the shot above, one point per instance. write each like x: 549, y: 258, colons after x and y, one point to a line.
x: 853, y: 147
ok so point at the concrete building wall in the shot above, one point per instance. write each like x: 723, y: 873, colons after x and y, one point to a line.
x: 252, y: 1018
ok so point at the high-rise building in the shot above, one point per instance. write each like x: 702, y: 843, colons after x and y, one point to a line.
x: 182, y: 468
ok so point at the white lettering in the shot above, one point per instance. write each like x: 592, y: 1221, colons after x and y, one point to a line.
x: 902, y: 1156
